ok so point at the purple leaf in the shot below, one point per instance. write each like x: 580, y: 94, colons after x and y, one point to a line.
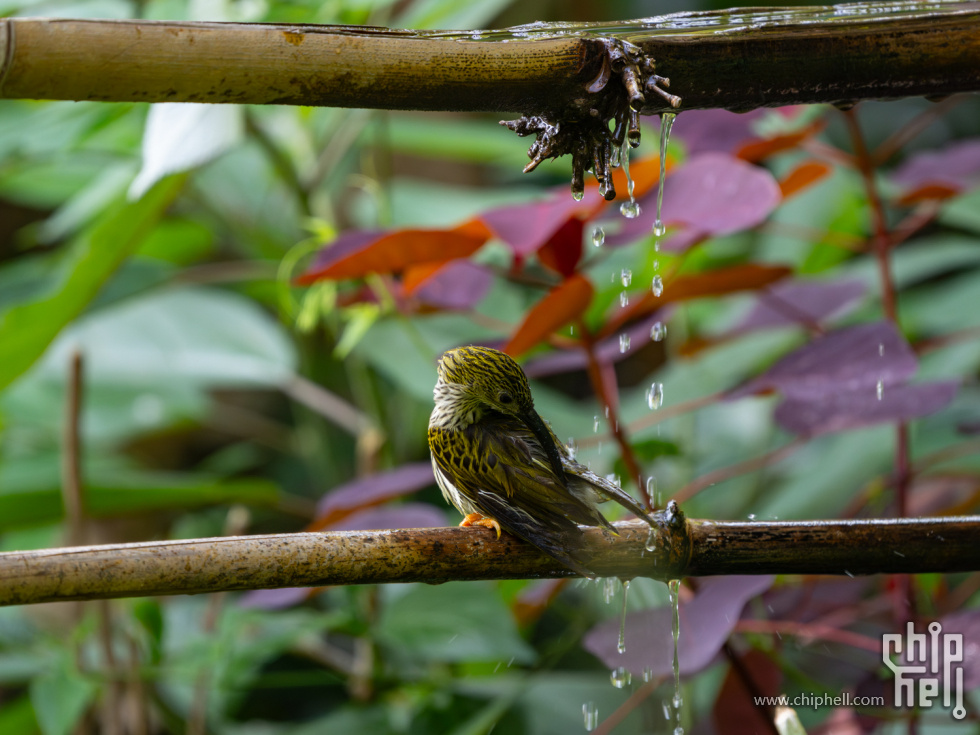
x: 274, y: 599
x: 843, y: 361
x: 716, y: 130
x: 713, y: 193
x: 705, y: 624
x: 801, y: 302
x: 840, y: 411
x: 460, y: 284
x: 376, y: 489
x: 956, y: 166
x: 526, y: 227
x: 407, y: 515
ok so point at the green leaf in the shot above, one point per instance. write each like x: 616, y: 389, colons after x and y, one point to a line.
x: 17, y: 718
x: 464, y: 621
x: 59, y: 698
x: 27, y: 329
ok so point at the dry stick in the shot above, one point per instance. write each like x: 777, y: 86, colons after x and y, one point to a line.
x: 690, y: 548
x: 736, y: 60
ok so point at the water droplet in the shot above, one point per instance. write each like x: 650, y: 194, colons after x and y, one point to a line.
x: 658, y: 286
x: 620, y: 677
x: 624, y: 299
x: 608, y: 589
x: 590, y: 714
x: 751, y: 516
x: 607, y: 412
x: 595, y: 424
x: 572, y: 447
x: 658, y: 331
x: 577, y: 195
x: 651, y: 544
x: 880, y: 389
x: 647, y: 674
x: 626, y: 277
x: 659, y: 229
x: 881, y: 349
x: 655, y: 396
x: 621, y: 643
x: 630, y: 209
x: 613, y: 478
x: 598, y: 237
x: 666, y: 707
x: 624, y: 343
x: 616, y: 157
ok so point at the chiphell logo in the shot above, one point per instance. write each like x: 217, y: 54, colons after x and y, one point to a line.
x: 922, y: 663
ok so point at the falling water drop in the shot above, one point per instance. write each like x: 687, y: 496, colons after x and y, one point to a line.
x: 880, y: 388
x: 598, y: 237
x: 647, y: 674
x: 620, y: 677
x: 658, y: 285
x: 881, y: 349
x: 658, y: 331
x: 572, y: 446
x: 577, y: 195
x: 655, y: 396
x: 590, y: 714
x: 630, y: 209
x: 608, y: 589
x: 624, y: 299
x: 624, y: 343
x: 626, y: 277
x: 595, y: 424
x: 621, y: 644
x: 673, y: 589
x: 666, y: 123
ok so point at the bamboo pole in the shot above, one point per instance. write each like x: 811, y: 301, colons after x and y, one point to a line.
x: 682, y: 548
x: 732, y: 59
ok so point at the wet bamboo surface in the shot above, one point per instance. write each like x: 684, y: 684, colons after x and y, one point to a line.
x: 733, y: 59
x: 686, y: 548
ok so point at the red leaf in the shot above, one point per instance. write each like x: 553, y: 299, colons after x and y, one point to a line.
x: 804, y: 175
x: 356, y: 254
x: 526, y: 227
x: 734, y: 712
x: 535, y: 599
x: 563, y: 304
x: 928, y: 192
x: 762, y: 149
x: 748, y: 277
x: 564, y: 250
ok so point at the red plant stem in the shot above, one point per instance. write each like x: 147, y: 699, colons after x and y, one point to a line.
x: 813, y: 631
x: 905, y: 595
x: 607, y: 397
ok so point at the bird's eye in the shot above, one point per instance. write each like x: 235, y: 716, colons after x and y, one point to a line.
x: 505, y: 398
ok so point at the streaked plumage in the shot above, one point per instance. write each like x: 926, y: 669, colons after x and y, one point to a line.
x: 494, y: 456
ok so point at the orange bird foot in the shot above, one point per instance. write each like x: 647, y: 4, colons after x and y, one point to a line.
x: 475, y: 519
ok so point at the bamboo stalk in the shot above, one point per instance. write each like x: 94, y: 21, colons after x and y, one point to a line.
x: 733, y: 59
x: 682, y: 548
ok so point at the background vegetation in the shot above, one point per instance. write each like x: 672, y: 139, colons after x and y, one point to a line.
x: 813, y: 354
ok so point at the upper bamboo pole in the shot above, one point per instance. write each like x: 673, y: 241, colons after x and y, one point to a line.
x: 682, y: 548
x: 732, y: 59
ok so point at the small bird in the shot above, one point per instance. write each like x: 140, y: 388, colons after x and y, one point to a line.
x: 502, y: 466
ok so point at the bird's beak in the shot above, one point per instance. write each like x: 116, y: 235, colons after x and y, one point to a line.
x: 536, y: 424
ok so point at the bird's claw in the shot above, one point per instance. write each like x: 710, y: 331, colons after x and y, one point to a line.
x: 475, y: 519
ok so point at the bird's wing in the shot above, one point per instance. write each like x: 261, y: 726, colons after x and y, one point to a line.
x: 605, y: 488
x: 499, y: 466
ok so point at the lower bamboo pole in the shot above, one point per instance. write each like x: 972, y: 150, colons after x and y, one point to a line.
x: 682, y: 548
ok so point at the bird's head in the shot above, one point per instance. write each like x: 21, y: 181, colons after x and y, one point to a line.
x: 487, y: 377
x: 475, y: 379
